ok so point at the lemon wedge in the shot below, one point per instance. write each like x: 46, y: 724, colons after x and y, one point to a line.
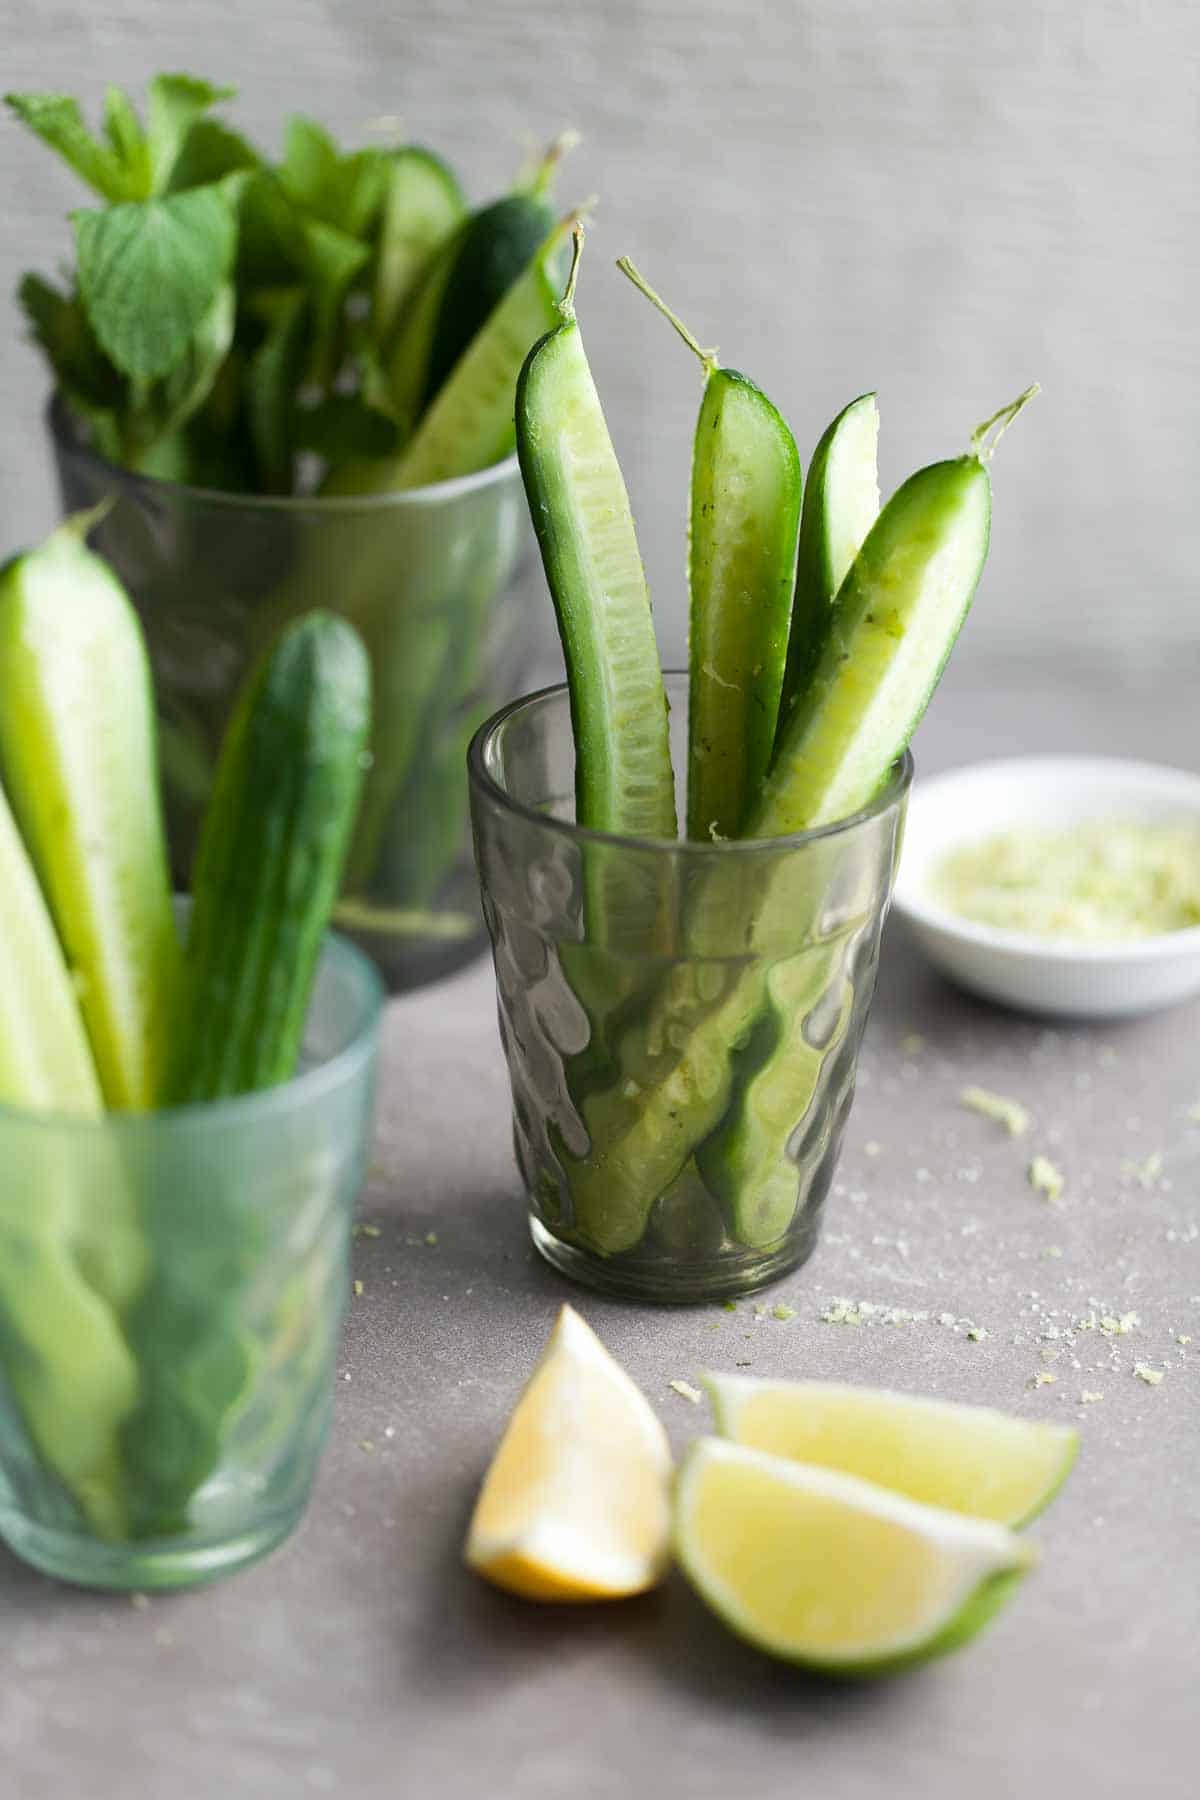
x: 832, y: 1572
x: 576, y: 1503
x: 968, y: 1459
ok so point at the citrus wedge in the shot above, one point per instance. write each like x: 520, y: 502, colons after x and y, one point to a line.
x: 831, y: 1572
x: 576, y: 1503
x: 968, y: 1459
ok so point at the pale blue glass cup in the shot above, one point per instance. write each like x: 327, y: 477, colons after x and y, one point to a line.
x: 171, y: 1291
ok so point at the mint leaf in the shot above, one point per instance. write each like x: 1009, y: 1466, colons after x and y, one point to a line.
x: 149, y: 271
x: 57, y: 120
x: 125, y: 134
x: 331, y: 261
x: 270, y: 241
x: 174, y: 104
x: 168, y: 404
x: 210, y: 152
x: 342, y: 191
x: 59, y: 325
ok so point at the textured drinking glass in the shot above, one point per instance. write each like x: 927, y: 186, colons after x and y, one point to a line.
x: 171, y: 1287
x: 428, y: 578
x: 681, y: 1021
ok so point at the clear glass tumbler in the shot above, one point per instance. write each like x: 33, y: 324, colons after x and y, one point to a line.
x: 681, y: 1020
x: 429, y: 579
x: 171, y: 1288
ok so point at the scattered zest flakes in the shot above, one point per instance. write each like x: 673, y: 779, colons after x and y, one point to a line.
x: 977, y: 1333
x: 729, y: 1305
x: 431, y: 1238
x: 783, y: 1312
x: 1009, y: 1113
x: 366, y: 1444
x: 1045, y: 1178
x: 1089, y: 1397
x: 1119, y: 1326
x: 1146, y: 1173
x: 371, y: 1231
x: 1044, y: 1378
x: 1145, y: 1373
x: 1182, y: 1337
x: 866, y: 1312
x: 1052, y: 1252
x: 686, y: 1391
x: 358, y: 1288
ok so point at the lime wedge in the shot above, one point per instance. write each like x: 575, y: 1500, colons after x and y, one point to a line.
x: 968, y: 1459
x: 831, y: 1572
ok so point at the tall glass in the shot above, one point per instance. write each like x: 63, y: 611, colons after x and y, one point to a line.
x: 171, y: 1287
x: 428, y: 578
x: 681, y: 1020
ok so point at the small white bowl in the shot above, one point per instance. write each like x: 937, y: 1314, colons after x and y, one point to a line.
x: 1037, y: 974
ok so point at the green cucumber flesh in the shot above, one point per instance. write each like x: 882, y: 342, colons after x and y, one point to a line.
x: 496, y: 248
x: 270, y: 858
x: 745, y: 511
x: 896, y: 617
x: 841, y: 503
x: 920, y: 563
x: 423, y: 207
x: 77, y: 741
x: 744, y: 517
x: 45, y: 1062
x: 580, y: 509
x: 62, y: 1351
x: 777, y: 1084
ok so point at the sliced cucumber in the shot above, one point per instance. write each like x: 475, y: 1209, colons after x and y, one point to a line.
x: 62, y: 1352
x: 497, y: 246
x: 423, y: 205
x: 470, y: 424
x: 914, y: 577
x: 745, y: 513
x: 841, y: 503
x: 895, y: 620
x: 407, y: 357
x: 580, y: 509
x: 45, y: 1062
x: 77, y: 740
x: 777, y: 1085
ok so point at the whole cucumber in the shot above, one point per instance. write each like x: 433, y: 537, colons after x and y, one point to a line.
x: 270, y: 859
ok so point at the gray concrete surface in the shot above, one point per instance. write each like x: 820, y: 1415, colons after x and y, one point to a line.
x: 940, y: 201
x: 363, y: 1660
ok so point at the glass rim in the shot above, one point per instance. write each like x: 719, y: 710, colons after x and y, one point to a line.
x: 299, y: 1092
x: 64, y: 428
x: 894, y: 790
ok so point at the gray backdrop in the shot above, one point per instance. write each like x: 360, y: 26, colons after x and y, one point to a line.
x: 942, y: 202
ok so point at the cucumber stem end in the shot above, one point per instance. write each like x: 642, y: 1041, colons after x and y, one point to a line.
x: 566, y: 305
x: 707, y: 357
x: 999, y: 423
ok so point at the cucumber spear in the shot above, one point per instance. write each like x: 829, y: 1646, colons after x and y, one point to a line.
x: 744, y: 517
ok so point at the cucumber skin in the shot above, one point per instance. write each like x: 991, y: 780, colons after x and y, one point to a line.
x: 78, y: 742
x: 810, y: 783
x: 600, y: 802
x: 730, y: 738
x: 270, y: 858
x: 821, y: 564
x: 499, y: 243
x: 409, y: 239
x: 641, y: 1145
